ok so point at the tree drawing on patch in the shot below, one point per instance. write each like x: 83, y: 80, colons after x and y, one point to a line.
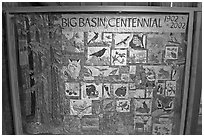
x: 45, y: 54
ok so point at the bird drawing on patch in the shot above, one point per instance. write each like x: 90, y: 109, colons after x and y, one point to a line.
x: 124, y: 105
x: 94, y: 37
x: 113, y: 72
x: 101, y: 69
x: 99, y: 53
x: 106, y: 89
x: 80, y: 107
x: 173, y: 54
x: 145, y: 105
x: 108, y: 37
x: 123, y: 41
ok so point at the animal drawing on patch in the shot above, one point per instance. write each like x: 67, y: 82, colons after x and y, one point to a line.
x: 119, y: 57
x: 163, y: 74
x: 80, y: 107
x: 121, y: 91
x: 166, y: 104
x: 143, y: 108
x: 149, y: 92
x: 160, y: 88
x: 150, y: 74
x: 96, y: 34
x: 124, y: 105
x: 108, y: 105
x: 171, y: 53
x: 91, y: 91
x: 101, y: 71
x: 73, y: 68
x: 106, y: 90
x: 120, y: 54
x: 175, y: 74
x: 101, y: 68
x: 72, y: 89
x: 173, y: 39
x: 170, y: 88
x: 114, y: 72
x: 98, y: 56
x: 70, y: 93
x: 87, y: 71
x: 108, y: 37
x: 123, y: 41
x: 138, y: 42
x: 99, y: 53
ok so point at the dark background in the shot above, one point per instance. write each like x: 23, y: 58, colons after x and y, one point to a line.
x: 7, y: 121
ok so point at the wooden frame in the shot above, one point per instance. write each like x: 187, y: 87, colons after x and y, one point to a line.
x: 195, y: 81
x: 187, y: 73
x: 102, y: 8
x: 128, y: 9
x: 13, y: 76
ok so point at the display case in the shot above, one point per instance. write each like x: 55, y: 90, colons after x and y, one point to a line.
x: 100, y: 70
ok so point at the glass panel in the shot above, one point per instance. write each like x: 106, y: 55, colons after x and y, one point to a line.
x: 101, y: 73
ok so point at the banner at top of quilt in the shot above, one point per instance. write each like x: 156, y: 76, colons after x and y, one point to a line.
x: 124, y: 22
